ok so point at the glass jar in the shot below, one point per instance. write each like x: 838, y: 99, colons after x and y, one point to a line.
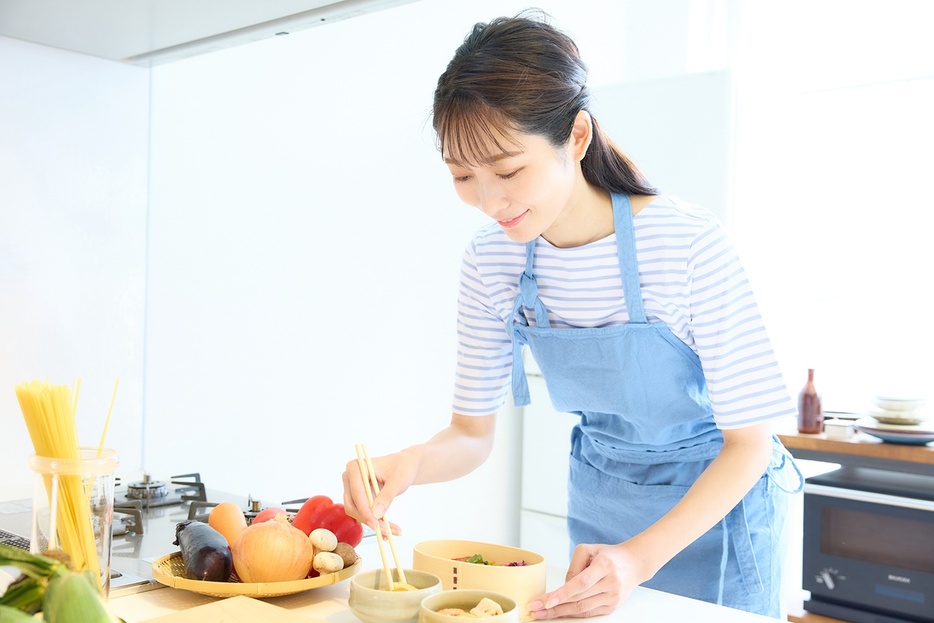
x: 73, y: 509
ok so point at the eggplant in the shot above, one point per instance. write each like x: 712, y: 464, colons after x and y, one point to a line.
x: 204, y: 550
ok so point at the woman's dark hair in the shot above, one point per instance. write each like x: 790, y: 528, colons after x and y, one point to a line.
x: 521, y: 74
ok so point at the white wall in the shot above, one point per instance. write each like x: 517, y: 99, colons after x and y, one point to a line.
x: 304, y: 257
x: 73, y: 162
x: 833, y: 204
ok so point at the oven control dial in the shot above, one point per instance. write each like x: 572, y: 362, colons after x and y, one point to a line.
x: 829, y: 577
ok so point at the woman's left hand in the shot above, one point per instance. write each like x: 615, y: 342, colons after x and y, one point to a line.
x: 599, y: 579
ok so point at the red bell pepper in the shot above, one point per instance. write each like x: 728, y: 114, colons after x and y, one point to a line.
x: 321, y: 512
x: 307, y: 516
x: 345, y: 528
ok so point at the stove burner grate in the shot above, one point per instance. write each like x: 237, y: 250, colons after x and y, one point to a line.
x: 146, y: 490
x: 156, y: 493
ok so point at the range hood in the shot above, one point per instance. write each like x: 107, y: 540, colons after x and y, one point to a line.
x: 149, y: 32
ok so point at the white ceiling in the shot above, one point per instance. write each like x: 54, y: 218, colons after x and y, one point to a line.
x: 147, y: 32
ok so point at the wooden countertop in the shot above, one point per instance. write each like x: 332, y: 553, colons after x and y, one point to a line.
x: 860, y: 449
x: 809, y: 617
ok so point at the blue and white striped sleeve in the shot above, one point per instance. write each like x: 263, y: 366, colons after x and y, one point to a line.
x: 744, y: 381
x: 484, y: 350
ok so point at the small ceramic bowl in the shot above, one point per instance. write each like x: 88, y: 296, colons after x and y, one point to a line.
x: 892, y: 403
x: 465, y: 599
x: 372, y: 603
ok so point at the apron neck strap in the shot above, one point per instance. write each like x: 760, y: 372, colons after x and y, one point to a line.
x: 527, y: 297
x: 528, y: 289
x: 626, y: 250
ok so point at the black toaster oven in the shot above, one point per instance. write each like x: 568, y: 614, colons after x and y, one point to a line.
x: 869, y: 546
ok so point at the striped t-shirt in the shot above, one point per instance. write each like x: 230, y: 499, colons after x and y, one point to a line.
x: 691, y: 280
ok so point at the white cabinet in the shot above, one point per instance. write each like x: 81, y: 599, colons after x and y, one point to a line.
x: 546, y: 442
x: 148, y: 32
x: 546, y: 535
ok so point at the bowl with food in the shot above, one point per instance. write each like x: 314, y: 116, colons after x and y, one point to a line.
x: 518, y: 573
x: 372, y: 600
x: 454, y: 606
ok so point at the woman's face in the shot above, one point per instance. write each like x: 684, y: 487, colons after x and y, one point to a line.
x: 527, y: 190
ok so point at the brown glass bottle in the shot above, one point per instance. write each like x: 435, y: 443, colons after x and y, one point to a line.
x: 810, y: 413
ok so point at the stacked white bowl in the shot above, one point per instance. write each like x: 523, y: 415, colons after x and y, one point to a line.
x: 893, y: 409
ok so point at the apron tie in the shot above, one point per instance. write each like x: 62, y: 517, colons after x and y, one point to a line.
x: 528, y: 291
x: 520, y: 384
x: 528, y: 298
x: 724, y: 557
x: 738, y: 531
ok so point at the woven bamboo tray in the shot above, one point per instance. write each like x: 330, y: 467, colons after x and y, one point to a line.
x: 170, y: 570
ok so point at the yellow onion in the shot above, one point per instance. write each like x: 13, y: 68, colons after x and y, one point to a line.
x: 272, y: 551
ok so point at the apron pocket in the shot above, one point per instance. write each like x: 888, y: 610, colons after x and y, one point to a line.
x: 608, y: 509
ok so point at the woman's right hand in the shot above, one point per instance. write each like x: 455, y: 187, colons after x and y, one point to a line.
x: 453, y: 452
x: 394, y: 472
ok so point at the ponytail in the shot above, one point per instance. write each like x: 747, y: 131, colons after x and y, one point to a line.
x: 606, y: 166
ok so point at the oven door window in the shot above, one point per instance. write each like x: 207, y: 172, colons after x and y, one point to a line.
x: 877, y: 537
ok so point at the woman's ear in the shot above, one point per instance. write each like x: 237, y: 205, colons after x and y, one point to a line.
x: 581, y: 135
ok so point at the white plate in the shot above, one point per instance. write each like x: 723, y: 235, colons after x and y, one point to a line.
x: 904, y: 429
x: 912, y: 440
x: 896, y: 433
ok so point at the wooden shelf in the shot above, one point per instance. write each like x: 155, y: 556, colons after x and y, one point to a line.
x: 808, y: 617
x: 860, y: 450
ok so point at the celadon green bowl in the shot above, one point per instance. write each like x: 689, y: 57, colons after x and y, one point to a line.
x: 371, y: 602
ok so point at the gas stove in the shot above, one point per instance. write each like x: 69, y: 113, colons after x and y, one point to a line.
x: 146, y: 512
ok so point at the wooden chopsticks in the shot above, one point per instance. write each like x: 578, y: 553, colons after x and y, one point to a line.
x: 371, y: 486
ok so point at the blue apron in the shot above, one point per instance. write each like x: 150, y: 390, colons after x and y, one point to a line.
x: 646, y: 432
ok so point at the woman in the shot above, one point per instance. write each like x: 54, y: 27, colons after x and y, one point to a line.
x: 638, y: 313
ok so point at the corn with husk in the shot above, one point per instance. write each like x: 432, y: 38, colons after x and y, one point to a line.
x: 51, y: 586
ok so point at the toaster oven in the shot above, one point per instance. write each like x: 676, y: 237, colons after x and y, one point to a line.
x: 869, y: 546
